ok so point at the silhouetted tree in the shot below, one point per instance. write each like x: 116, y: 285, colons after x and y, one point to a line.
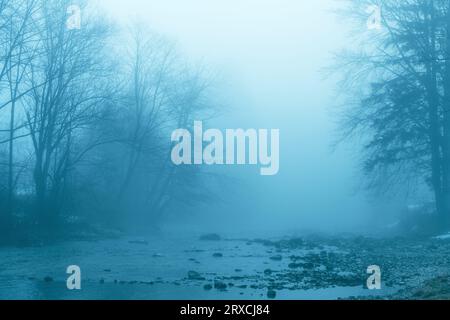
x: 402, y: 110
x: 16, y: 51
x: 67, y: 82
x: 86, y: 116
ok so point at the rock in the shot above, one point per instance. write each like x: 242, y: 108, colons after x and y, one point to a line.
x: 268, y: 272
x: 307, y: 265
x: 210, y: 237
x: 218, y: 255
x: 193, y: 275
x: 141, y: 242
x: 271, y: 294
x: 220, y: 285
x: 238, y: 270
x: 48, y: 279
x: 276, y: 258
x: 207, y: 287
x: 102, y: 281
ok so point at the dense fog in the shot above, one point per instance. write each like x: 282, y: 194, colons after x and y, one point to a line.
x: 198, y: 149
x: 90, y: 112
x: 269, y: 60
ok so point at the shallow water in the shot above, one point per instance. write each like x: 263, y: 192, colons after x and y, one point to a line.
x: 154, y: 268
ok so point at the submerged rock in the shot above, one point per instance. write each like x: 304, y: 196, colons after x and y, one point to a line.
x: 271, y: 294
x: 48, y: 279
x: 210, y: 237
x: 218, y: 255
x: 278, y: 257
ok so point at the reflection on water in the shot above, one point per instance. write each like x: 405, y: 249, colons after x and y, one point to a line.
x: 153, y: 268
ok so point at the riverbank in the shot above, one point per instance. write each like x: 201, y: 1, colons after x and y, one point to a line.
x: 186, y: 267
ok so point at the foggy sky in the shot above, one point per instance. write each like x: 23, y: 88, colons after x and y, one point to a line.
x: 269, y: 54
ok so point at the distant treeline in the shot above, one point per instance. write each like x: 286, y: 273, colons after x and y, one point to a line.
x: 85, y: 120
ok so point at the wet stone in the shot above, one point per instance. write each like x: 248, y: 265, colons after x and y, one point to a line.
x: 193, y: 275
x: 277, y: 258
x: 271, y: 294
x: 207, y: 287
x: 220, y: 285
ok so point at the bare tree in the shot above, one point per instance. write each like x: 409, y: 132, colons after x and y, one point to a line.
x: 402, y: 116
x: 159, y: 94
x: 85, y: 133
x: 16, y: 37
x: 66, y: 82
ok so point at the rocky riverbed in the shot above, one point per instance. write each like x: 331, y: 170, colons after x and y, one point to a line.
x: 221, y: 267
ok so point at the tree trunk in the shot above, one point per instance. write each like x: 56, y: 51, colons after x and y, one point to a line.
x: 437, y: 161
x: 11, y: 193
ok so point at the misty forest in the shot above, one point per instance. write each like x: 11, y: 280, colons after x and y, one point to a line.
x: 91, y: 93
